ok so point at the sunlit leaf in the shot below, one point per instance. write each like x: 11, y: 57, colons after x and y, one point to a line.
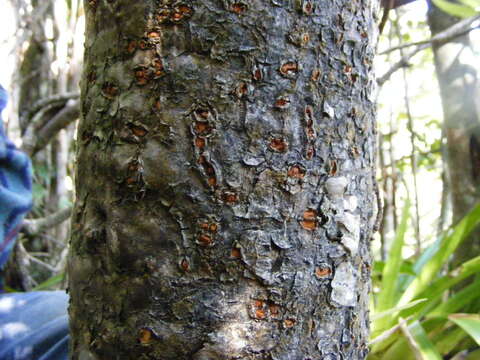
x: 49, y: 283
x: 468, y: 322
x: 438, y: 259
x: 462, y: 11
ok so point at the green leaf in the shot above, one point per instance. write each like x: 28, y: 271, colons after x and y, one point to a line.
x: 54, y: 280
x: 457, y: 301
x: 419, y: 343
x: 462, y: 11
x: 468, y: 322
x: 405, y: 268
x: 444, y: 250
x: 435, y: 291
x: 388, y: 294
x: 396, y: 309
x: 474, y: 4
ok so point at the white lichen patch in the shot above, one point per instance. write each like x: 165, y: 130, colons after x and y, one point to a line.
x: 351, y: 244
x: 350, y: 226
x: 350, y: 203
x: 336, y: 187
x: 344, y: 285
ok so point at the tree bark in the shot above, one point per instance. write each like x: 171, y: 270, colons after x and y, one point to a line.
x: 457, y: 74
x: 225, y: 181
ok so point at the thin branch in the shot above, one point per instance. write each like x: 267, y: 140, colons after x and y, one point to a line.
x: 34, y: 226
x: 460, y: 28
x: 386, y: 10
x: 33, y: 144
x: 55, y: 99
x: 445, y: 36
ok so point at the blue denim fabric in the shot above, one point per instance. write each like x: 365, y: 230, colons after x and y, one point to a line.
x: 15, y: 189
x: 34, y: 326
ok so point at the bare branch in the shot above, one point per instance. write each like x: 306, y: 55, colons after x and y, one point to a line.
x: 451, y: 33
x: 57, y: 99
x: 32, y: 143
x: 34, y: 226
x: 460, y: 28
x: 388, y: 4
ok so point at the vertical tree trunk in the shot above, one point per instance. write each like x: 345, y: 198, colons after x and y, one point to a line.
x: 457, y: 74
x: 225, y: 197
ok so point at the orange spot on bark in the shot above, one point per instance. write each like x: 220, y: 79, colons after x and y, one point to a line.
x: 200, y: 142
x: 153, y: 35
x: 145, y: 336
x: 333, y: 168
x: 289, y: 68
x: 212, y: 181
x: 309, y: 221
x: 309, y: 224
x: 202, y: 127
x: 310, y: 152
x: 110, y: 91
x: 203, y: 113
x: 260, y: 314
x: 138, y: 130
x: 205, y: 240
x: 236, y: 253
x: 296, y: 172
x: 289, y: 323
x: 184, y: 265
x: 315, y: 75
x: 141, y: 76
x: 201, y: 160
x: 282, y: 103
x: 230, y: 197
x: 322, y: 272
x: 213, y: 228
x: 131, y: 180
x: 309, y: 214
x: 132, y: 46
x: 305, y: 38
x: 257, y: 75
x: 278, y: 145
x: 239, y: 8
x: 274, y: 310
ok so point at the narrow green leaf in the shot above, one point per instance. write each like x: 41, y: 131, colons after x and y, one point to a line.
x: 419, y: 342
x: 448, y: 339
x: 54, y: 280
x: 435, y: 291
x: 457, y: 301
x: 405, y: 268
x: 447, y: 246
x: 474, y: 4
x: 468, y: 322
x: 396, y: 309
x: 458, y: 10
x: 386, y: 297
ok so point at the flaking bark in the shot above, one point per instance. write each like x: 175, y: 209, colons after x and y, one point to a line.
x: 225, y: 181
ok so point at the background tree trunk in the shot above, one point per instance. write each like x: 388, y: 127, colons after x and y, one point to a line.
x: 225, y: 181
x: 457, y: 74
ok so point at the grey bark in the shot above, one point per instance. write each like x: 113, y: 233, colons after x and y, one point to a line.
x: 458, y: 77
x: 225, y: 181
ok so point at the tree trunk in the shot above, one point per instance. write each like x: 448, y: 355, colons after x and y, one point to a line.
x: 225, y: 180
x: 457, y: 74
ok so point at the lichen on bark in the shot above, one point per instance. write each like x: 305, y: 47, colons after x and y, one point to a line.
x: 204, y: 227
